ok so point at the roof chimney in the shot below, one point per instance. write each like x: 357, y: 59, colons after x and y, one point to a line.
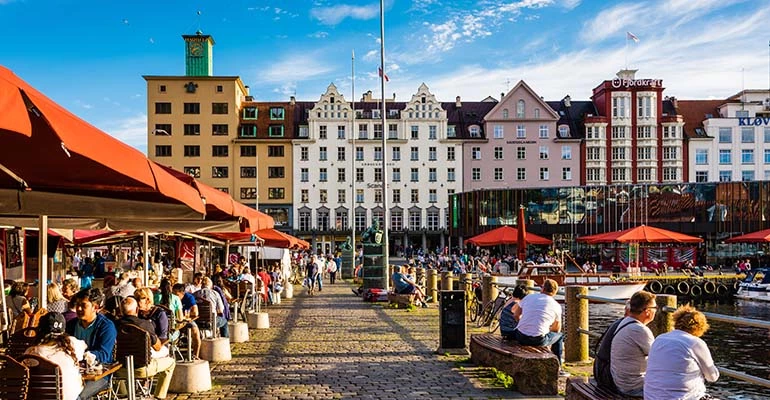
x: 674, y: 102
x: 247, y: 90
x: 502, y: 95
x: 458, y: 103
x: 292, y: 100
x: 567, y: 101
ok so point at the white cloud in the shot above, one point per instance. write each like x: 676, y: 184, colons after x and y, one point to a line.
x: 612, y: 21
x: 424, y: 6
x: 287, y: 89
x: 319, y: 35
x: 570, y: 4
x: 371, y: 55
x: 294, y: 68
x: 335, y: 14
x: 131, y: 131
x: 82, y: 104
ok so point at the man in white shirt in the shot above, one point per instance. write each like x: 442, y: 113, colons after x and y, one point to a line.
x: 539, y: 317
x: 631, y: 345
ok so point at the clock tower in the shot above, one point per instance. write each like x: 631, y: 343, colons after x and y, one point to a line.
x: 199, y: 60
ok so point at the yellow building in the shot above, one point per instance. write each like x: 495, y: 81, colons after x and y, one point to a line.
x: 210, y: 127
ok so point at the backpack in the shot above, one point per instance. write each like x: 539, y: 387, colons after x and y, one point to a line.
x: 603, y: 351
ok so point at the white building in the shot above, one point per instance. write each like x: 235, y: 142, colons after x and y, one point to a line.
x: 424, y: 167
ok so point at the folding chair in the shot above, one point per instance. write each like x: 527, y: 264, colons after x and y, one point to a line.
x: 14, y: 379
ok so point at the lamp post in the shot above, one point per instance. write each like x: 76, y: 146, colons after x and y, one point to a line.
x: 353, y: 160
x: 385, y: 246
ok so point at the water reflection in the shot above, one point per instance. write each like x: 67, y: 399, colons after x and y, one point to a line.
x: 736, y: 347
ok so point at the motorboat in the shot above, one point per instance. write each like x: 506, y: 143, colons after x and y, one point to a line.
x: 756, y: 285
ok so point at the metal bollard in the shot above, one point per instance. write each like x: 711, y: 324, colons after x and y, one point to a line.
x: 664, y: 321
x: 488, y: 290
x: 575, y: 343
x: 466, y: 283
x: 432, y: 285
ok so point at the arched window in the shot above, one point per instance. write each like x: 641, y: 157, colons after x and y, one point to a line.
x: 505, y: 113
x: 537, y: 113
x: 563, y: 131
x: 520, y: 109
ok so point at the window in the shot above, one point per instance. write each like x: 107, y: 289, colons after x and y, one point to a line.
x: 322, y: 175
x: 322, y: 155
x: 414, y: 154
x: 450, y: 131
x: 396, y: 220
x: 725, y: 156
x: 450, y: 153
x: 378, y: 174
x: 304, y: 154
x: 619, y: 132
x: 396, y: 153
x: 498, y: 153
x: 594, y: 153
x: 521, y: 153
x: 192, y: 151
x: 277, y: 113
x: 498, y: 174
x: 414, y: 175
x: 322, y: 132
x: 432, y: 196
x: 537, y: 113
x: 543, y: 132
x: 323, y: 196
x: 250, y: 172
x: 544, y: 173
x: 619, y: 174
x: 592, y: 132
x: 378, y: 154
x: 415, y: 132
x: 363, y: 131
x: 250, y: 113
x: 592, y: 175
x: 670, y: 153
x: 192, y: 129
x: 566, y: 152
x: 450, y: 174
x: 378, y: 131
x: 396, y: 173
x: 359, y: 174
x: 378, y: 197
x: 747, y: 156
x: 670, y: 174
x: 340, y: 154
x: 741, y: 113
x: 644, y: 107
x: 392, y: 131
x: 432, y: 175
x: 275, y: 151
x: 701, y: 156
x: 499, y: 132
x: 543, y: 152
x: 432, y: 132
x: 248, y: 130
x: 476, y: 174
x: 521, y: 174
x: 644, y: 153
x: 476, y: 153
x: 219, y: 151
x: 195, y: 172
x: 192, y: 108
x: 767, y: 156
x: 220, y: 129
x: 361, y: 219
x: 162, y: 88
x: 219, y: 108
x: 431, y: 154
x: 563, y: 131
x: 643, y: 132
x: 340, y: 131
x: 415, y: 196
x: 619, y: 107
x: 304, y: 198
x: 275, y: 193
x: 341, y: 218
x: 248, y: 193
x: 520, y: 108
x: 220, y: 88
x: 701, y: 176
x: 747, y: 134
x: 415, y: 219
x: 725, y: 176
x: 725, y: 135
x: 163, y: 129
x: 341, y: 198
x: 669, y: 132
x: 275, y: 131
x: 275, y: 172
x: 505, y: 113
x: 644, y: 174
x: 359, y: 154
x: 220, y: 172
x: 322, y: 220
x: 396, y: 198
x: 474, y: 131
x: 162, y: 108
x: 767, y: 134
x: 359, y: 199
x: 304, y: 131
x: 566, y: 173
x: 304, y: 175
x: 619, y: 153
x: 521, y: 132
x: 747, y: 175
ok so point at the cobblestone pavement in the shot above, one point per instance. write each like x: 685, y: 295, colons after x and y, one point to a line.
x: 334, y: 346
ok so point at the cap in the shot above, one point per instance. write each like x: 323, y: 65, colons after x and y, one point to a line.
x: 52, y: 323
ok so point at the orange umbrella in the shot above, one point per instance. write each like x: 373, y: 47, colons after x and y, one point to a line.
x: 641, y: 234
x: 521, y: 237
x: 268, y: 237
x: 505, y: 235
x: 45, y: 148
x: 762, y: 236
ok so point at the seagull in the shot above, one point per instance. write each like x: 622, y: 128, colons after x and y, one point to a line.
x: 160, y: 132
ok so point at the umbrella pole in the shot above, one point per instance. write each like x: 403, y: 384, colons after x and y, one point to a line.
x: 145, y: 258
x: 4, y: 321
x: 42, y: 255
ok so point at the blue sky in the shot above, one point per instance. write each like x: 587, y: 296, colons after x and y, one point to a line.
x: 90, y: 55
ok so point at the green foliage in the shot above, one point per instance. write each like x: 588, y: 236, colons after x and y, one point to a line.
x: 503, y: 379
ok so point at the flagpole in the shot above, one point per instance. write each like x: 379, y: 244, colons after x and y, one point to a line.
x: 353, y: 158
x: 385, y: 243
x: 626, y: 50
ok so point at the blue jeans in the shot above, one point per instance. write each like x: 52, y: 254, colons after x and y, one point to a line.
x: 92, y: 388
x: 320, y: 281
x: 553, y: 339
x: 224, y: 330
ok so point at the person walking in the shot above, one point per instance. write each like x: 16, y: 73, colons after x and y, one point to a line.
x: 331, y: 268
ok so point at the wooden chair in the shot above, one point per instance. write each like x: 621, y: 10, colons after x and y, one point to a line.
x: 207, y: 316
x: 20, y: 341
x: 34, y: 321
x: 45, y: 380
x: 19, y: 322
x: 14, y: 379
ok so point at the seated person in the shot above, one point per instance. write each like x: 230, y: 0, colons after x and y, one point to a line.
x: 190, y: 309
x: 631, y: 344
x: 507, y: 321
x: 16, y: 300
x: 209, y: 294
x: 154, y: 314
x: 161, y: 365
x: 404, y: 285
x: 96, y: 330
x: 63, y: 350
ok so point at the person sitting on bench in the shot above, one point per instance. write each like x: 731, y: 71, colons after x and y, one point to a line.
x: 404, y: 285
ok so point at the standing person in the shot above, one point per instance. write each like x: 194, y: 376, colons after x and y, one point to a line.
x: 319, y: 275
x: 331, y: 268
x: 539, y: 317
x: 631, y: 345
x: 311, y: 270
x: 680, y: 360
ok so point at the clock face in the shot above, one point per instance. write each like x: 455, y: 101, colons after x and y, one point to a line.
x: 196, y: 48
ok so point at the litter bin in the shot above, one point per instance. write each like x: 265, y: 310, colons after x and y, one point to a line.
x: 452, y: 323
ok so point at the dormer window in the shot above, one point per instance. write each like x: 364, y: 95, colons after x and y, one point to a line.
x: 563, y: 131
x: 474, y: 131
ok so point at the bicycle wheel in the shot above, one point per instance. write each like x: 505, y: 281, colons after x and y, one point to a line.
x: 473, y: 309
x: 485, y: 315
x: 494, y: 322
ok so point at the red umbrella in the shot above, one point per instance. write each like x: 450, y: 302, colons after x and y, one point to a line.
x: 641, y: 234
x: 762, y: 236
x: 505, y: 235
x: 521, y: 237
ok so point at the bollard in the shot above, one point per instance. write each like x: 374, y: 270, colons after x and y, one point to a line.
x: 528, y: 283
x: 432, y: 285
x: 664, y: 321
x: 488, y: 291
x: 420, y: 277
x: 447, y: 280
x: 575, y: 343
x: 466, y: 285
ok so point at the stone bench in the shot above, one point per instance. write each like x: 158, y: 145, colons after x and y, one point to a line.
x: 400, y: 300
x: 582, y: 388
x: 535, y: 370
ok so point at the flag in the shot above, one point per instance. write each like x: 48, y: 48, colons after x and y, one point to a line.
x: 379, y: 70
x: 631, y: 36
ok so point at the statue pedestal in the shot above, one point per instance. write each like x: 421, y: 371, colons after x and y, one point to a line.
x: 375, y: 273
x: 347, y: 266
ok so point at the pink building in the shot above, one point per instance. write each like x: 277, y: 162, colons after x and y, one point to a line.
x: 528, y: 143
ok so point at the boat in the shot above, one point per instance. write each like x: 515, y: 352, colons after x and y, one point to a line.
x: 599, y: 284
x: 756, y: 286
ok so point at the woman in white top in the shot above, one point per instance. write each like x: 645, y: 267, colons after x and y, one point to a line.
x: 62, y: 350
x: 679, y: 360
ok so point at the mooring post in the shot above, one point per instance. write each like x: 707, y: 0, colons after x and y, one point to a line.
x: 432, y: 285
x: 488, y: 290
x: 447, y: 280
x: 664, y: 321
x: 576, y: 343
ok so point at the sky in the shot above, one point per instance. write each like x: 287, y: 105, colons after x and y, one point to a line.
x: 90, y: 55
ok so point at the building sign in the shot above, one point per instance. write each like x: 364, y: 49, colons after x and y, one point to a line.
x: 520, y: 142
x: 629, y: 83
x: 376, y: 164
x: 758, y: 121
x: 374, y: 185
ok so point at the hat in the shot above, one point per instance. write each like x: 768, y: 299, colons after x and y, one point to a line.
x: 52, y: 323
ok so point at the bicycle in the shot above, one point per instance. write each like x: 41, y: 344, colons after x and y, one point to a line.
x: 473, y: 304
x: 490, y: 315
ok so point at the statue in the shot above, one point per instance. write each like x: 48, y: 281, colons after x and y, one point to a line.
x: 373, y: 234
x: 346, y: 246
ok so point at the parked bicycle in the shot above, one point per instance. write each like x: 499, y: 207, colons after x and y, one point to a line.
x: 474, y: 303
x: 490, y: 315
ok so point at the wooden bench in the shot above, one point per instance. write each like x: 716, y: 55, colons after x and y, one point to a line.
x: 400, y: 300
x: 582, y: 388
x: 535, y: 370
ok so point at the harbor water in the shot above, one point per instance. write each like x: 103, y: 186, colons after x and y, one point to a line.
x: 740, y: 348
